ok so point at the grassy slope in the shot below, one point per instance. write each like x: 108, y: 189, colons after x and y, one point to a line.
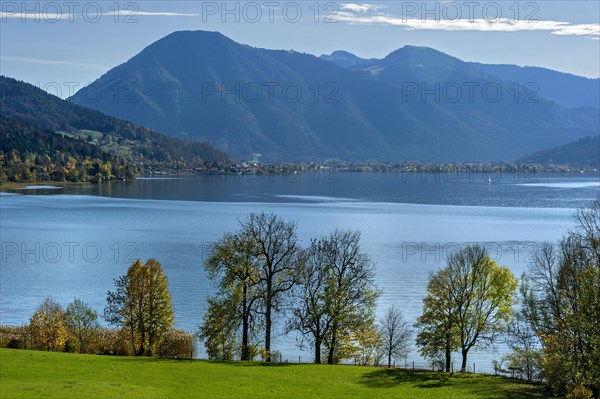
x: 34, y: 374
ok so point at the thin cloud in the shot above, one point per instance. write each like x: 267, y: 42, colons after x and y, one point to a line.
x: 135, y: 13
x: 27, y: 60
x: 500, y: 25
x: 46, y: 16
x: 360, y: 7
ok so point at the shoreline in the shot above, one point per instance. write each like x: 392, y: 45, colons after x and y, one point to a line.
x: 21, y: 185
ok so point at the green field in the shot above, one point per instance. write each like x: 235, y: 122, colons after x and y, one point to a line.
x: 33, y: 374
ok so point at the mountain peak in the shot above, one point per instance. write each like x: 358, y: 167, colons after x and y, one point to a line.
x: 345, y: 59
x: 196, y: 36
x: 426, y: 53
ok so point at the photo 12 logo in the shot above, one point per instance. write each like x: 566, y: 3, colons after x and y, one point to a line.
x: 127, y: 92
x: 470, y: 92
x: 470, y: 11
x: 270, y: 11
x: 269, y: 92
x: 438, y: 252
x: 68, y: 252
x: 69, y: 11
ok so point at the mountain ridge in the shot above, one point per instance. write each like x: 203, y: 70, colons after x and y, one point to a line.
x: 196, y: 84
x: 572, y: 86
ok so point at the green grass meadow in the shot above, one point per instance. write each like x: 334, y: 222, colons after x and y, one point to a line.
x: 36, y: 374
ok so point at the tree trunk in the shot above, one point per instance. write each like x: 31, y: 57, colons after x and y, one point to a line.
x: 448, y: 359
x: 463, y: 367
x: 135, y: 353
x: 245, y: 354
x: 332, y: 346
x: 389, y: 358
x: 142, y: 350
x: 317, y: 351
x: 268, y: 326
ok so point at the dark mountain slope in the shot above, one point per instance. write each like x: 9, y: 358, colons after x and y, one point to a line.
x: 583, y: 152
x: 33, y: 106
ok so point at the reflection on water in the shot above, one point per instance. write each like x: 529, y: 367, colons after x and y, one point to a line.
x: 505, y: 189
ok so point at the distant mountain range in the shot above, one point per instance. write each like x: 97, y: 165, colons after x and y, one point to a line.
x: 416, y: 104
x: 563, y: 88
x: 37, y: 122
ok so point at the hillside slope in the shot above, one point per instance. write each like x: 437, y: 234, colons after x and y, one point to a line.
x: 32, y: 106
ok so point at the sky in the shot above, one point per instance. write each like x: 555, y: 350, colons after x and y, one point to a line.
x: 63, y: 45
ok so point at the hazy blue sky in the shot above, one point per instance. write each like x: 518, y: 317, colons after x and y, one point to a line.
x: 75, y: 41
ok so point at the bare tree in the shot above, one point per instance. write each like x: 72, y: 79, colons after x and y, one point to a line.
x: 310, y: 314
x: 278, y: 256
x: 560, y: 302
x: 396, y: 335
x: 351, y: 293
x: 335, y: 299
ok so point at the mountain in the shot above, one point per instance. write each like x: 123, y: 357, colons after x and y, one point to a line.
x: 19, y: 136
x: 564, y: 88
x: 46, y: 113
x: 345, y: 59
x: 583, y: 152
x: 290, y: 106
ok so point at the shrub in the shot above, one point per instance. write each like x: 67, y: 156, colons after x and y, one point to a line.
x: 176, y: 344
x: 580, y: 392
x: 109, y: 341
x: 15, y: 337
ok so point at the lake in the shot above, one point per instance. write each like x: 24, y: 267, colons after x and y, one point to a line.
x: 73, y: 241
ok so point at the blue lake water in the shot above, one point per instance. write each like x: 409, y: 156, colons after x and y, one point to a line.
x: 73, y: 241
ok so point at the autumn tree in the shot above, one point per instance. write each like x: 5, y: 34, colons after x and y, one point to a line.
x: 218, y: 330
x: 437, y: 336
x: 396, y: 335
x: 482, y: 294
x: 141, y: 304
x: 351, y: 293
x: 334, y: 300
x: 82, y: 322
x: 525, y: 357
x: 561, y: 305
x: 236, y: 271
x: 469, y: 302
x: 363, y: 344
x: 277, y: 256
x: 48, y: 327
x: 311, y: 316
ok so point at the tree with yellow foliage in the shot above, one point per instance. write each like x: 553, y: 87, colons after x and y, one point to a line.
x: 48, y: 327
x: 142, y: 306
